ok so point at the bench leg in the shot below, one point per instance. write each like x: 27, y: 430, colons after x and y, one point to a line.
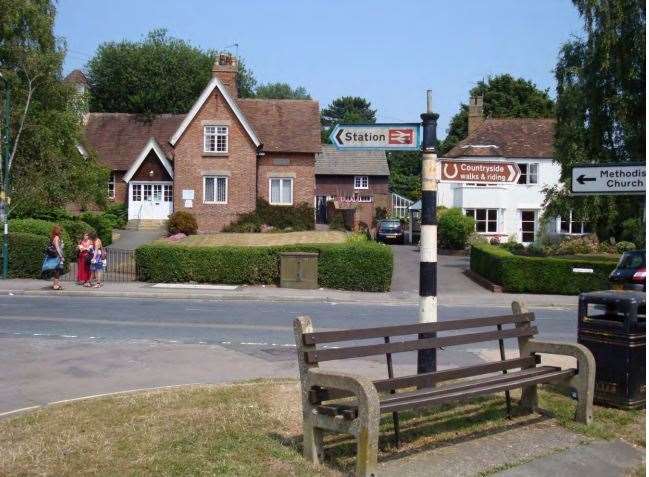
x: 584, y: 384
x: 313, y: 447
x: 367, y: 449
x: 530, y: 398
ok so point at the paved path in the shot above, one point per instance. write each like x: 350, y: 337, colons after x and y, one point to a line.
x: 54, y: 348
x: 132, y: 239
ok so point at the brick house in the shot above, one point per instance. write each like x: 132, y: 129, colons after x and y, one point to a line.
x: 351, y: 180
x: 214, y: 161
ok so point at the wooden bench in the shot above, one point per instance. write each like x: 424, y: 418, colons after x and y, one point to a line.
x: 323, y: 389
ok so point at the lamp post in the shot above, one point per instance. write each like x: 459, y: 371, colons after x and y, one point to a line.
x: 5, y: 176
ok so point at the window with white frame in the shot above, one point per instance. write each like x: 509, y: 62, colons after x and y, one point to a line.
x: 169, y: 193
x: 281, y: 191
x: 361, y: 182
x: 486, y: 220
x: 572, y: 225
x: 215, y: 190
x: 136, y: 192
x: 215, y: 139
x: 147, y: 192
x: 529, y: 173
x: 111, y: 186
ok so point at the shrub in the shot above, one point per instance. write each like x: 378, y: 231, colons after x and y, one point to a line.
x: 25, y: 254
x: 102, y: 225
x: 623, y: 246
x: 44, y: 229
x: 380, y: 213
x: 454, y: 229
x: 182, y: 222
x: 365, y: 266
x: 297, y: 218
x: 577, y: 245
x: 520, y: 274
x: 633, y: 230
x: 76, y: 229
x: 120, y: 211
x: 337, y: 221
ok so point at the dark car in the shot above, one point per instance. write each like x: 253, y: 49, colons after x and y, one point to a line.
x: 389, y: 231
x: 630, y: 273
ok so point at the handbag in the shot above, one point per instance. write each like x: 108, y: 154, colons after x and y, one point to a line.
x: 50, y: 251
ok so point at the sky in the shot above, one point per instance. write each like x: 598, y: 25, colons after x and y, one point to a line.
x: 389, y: 52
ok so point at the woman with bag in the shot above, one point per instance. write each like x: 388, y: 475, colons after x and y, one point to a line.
x: 54, y: 257
x: 98, y: 259
x: 84, y: 256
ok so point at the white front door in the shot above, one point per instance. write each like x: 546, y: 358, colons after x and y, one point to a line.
x: 150, y: 200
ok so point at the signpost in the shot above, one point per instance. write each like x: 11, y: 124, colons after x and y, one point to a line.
x: 385, y: 137
x: 615, y: 179
x: 480, y: 172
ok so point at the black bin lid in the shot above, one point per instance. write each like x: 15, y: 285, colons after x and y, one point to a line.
x: 622, y: 297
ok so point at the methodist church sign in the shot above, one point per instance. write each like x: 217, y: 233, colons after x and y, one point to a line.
x: 481, y: 172
x: 617, y: 179
x: 386, y: 137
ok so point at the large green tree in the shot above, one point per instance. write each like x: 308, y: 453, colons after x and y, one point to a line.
x: 504, y: 97
x: 47, y: 169
x: 346, y: 110
x: 281, y: 91
x: 601, y: 110
x: 405, y: 173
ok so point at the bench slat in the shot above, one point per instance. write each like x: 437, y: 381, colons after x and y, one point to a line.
x: 413, y: 345
x: 467, y: 385
x: 319, y: 395
x: 413, y: 329
x: 417, y: 403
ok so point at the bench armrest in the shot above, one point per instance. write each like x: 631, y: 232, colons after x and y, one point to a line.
x: 360, y: 386
x: 585, y: 359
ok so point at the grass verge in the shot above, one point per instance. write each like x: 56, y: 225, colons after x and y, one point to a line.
x: 248, y: 429
x: 261, y: 239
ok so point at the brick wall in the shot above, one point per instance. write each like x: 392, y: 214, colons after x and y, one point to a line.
x: 239, y: 164
x: 344, y: 185
x: 121, y: 188
x: 300, y: 167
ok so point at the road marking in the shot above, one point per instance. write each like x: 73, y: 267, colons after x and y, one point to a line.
x: 128, y: 391
x: 16, y: 411
x: 195, y: 286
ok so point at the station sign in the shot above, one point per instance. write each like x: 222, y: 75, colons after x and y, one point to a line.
x: 615, y: 179
x: 386, y: 137
x: 481, y: 172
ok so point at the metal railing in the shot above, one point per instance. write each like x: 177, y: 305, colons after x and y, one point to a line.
x: 120, y: 267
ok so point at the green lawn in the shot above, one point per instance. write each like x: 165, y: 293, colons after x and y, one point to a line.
x: 246, y: 429
x: 261, y: 239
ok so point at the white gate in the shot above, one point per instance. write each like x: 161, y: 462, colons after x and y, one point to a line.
x: 400, y: 205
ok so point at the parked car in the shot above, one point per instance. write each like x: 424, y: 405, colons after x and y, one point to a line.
x: 389, y: 230
x: 630, y: 273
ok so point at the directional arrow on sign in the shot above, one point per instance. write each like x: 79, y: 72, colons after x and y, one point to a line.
x: 399, y: 137
x: 582, y: 179
x: 482, y: 172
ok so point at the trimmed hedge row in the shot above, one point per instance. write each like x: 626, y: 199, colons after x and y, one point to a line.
x: 25, y: 254
x: 365, y: 266
x: 553, y: 275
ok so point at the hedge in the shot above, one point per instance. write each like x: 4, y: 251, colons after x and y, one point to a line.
x: 365, y: 266
x: 76, y: 229
x: 102, y: 225
x: 553, y: 275
x: 44, y: 229
x: 26, y: 252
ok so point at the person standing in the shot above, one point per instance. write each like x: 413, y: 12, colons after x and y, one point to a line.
x: 97, y: 261
x: 54, y: 257
x: 85, y: 253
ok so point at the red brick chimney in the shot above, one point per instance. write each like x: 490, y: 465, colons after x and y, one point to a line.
x: 225, y: 69
x: 476, y: 116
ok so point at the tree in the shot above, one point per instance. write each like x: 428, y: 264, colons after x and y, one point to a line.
x: 601, y: 109
x: 405, y: 173
x: 504, y: 97
x: 346, y: 110
x: 47, y: 169
x: 159, y: 74
x: 281, y: 91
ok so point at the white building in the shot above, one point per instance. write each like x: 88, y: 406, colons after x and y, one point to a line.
x: 504, y: 210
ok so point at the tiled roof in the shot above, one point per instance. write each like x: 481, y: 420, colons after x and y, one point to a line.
x: 118, y: 138
x: 77, y: 77
x: 513, y: 137
x: 284, y: 125
x: 332, y: 161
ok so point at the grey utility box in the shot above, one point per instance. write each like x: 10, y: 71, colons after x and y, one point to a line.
x: 298, y: 270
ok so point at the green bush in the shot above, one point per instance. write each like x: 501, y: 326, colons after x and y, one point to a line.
x: 182, y: 222
x: 520, y: 274
x: 102, y: 225
x: 26, y: 254
x: 454, y: 229
x: 120, y: 211
x: 633, y: 230
x: 365, y: 266
x: 44, y: 229
x: 622, y: 247
x: 76, y: 229
x: 280, y: 217
x: 337, y: 222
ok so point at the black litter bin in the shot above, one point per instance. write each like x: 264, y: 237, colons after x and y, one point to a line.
x: 612, y: 326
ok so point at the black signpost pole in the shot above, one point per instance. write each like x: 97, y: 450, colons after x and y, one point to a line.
x: 427, y: 359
